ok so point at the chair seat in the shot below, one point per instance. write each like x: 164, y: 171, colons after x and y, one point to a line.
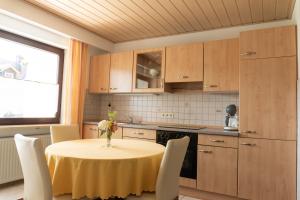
x: 144, y: 196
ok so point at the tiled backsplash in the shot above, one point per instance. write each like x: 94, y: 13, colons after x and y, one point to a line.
x: 196, y: 109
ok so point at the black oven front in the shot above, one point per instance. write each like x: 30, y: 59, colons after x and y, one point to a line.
x: 189, y: 166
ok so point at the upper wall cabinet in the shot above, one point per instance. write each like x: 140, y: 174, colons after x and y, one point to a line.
x: 267, y: 43
x: 149, y: 70
x: 184, y: 63
x: 221, y: 65
x: 99, y: 74
x: 121, y: 72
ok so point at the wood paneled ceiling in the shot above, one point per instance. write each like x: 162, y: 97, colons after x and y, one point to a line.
x: 125, y: 20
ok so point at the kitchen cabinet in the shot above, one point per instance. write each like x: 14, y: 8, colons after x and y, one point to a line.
x: 217, y: 170
x: 90, y: 131
x: 267, y: 43
x: 184, y: 63
x: 267, y: 169
x: 217, y: 164
x: 218, y: 140
x: 143, y: 134
x: 268, y: 98
x: 221, y: 66
x: 99, y: 74
x: 121, y: 72
x: 149, y: 70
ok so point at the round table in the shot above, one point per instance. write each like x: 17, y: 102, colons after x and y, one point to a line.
x: 89, y: 168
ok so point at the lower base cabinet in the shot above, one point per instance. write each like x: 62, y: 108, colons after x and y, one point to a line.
x: 91, y: 132
x: 267, y: 169
x: 140, y: 134
x: 217, y: 170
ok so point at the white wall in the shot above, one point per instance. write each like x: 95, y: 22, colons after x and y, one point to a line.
x: 223, y: 33
x: 27, y: 12
x: 28, y: 30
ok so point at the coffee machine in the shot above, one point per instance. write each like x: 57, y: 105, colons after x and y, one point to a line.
x: 231, y: 119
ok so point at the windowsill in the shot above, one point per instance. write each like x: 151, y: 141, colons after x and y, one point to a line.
x: 26, y: 125
x: 8, y: 131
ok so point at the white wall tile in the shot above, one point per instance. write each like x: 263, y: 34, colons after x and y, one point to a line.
x: 201, y: 109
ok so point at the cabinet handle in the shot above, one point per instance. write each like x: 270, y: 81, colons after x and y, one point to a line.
x: 103, y: 88
x: 204, y: 151
x: 184, y: 77
x: 113, y: 88
x: 248, y: 53
x: 210, y: 86
x: 162, y: 82
x: 93, y: 129
x: 248, y: 131
x: 217, y: 140
x: 140, y: 133
x: 248, y: 144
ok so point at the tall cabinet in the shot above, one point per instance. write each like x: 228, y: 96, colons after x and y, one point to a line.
x: 267, y: 149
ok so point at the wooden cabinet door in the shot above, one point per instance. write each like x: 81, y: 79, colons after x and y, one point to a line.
x: 90, y: 131
x: 267, y: 169
x: 268, y: 98
x: 139, y: 133
x: 184, y: 63
x: 121, y: 72
x: 99, y: 74
x: 267, y: 43
x: 217, y: 170
x: 221, y: 65
x: 118, y: 134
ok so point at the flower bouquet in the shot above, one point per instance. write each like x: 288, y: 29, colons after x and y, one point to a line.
x: 108, y: 127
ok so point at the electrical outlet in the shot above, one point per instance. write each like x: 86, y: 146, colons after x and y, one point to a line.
x: 167, y: 115
x: 171, y: 115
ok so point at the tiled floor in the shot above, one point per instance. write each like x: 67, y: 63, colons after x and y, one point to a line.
x: 15, y: 191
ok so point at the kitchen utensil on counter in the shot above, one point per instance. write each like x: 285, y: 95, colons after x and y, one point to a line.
x: 231, y: 120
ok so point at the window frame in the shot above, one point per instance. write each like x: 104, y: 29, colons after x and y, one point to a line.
x: 39, y: 45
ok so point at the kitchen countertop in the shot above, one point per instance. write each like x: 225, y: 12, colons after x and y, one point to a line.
x: 168, y: 127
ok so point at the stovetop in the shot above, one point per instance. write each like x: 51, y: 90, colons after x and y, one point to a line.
x: 183, y: 127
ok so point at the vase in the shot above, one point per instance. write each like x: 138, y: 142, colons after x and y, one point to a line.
x: 108, y: 139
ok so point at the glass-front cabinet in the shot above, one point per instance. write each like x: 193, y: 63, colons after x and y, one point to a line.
x: 149, y: 70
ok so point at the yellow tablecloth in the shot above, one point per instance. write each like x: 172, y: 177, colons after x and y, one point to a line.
x: 88, y: 168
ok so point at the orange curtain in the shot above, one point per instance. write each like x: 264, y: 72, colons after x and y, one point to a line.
x: 75, y: 83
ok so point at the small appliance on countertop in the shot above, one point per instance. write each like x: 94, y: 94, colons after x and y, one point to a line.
x: 231, y: 120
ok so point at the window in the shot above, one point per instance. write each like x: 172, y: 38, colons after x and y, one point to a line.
x: 30, y: 81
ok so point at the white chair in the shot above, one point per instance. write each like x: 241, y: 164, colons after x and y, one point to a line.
x: 37, y: 181
x: 60, y: 133
x: 167, y: 186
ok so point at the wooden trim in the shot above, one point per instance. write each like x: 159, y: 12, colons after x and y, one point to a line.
x: 188, y: 182
x: 46, y: 47
x: 204, y: 195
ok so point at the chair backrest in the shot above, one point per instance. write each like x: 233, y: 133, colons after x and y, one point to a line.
x: 37, y: 181
x: 61, y: 133
x: 167, y: 184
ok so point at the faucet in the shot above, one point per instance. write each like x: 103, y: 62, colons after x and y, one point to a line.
x: 130, y: 119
